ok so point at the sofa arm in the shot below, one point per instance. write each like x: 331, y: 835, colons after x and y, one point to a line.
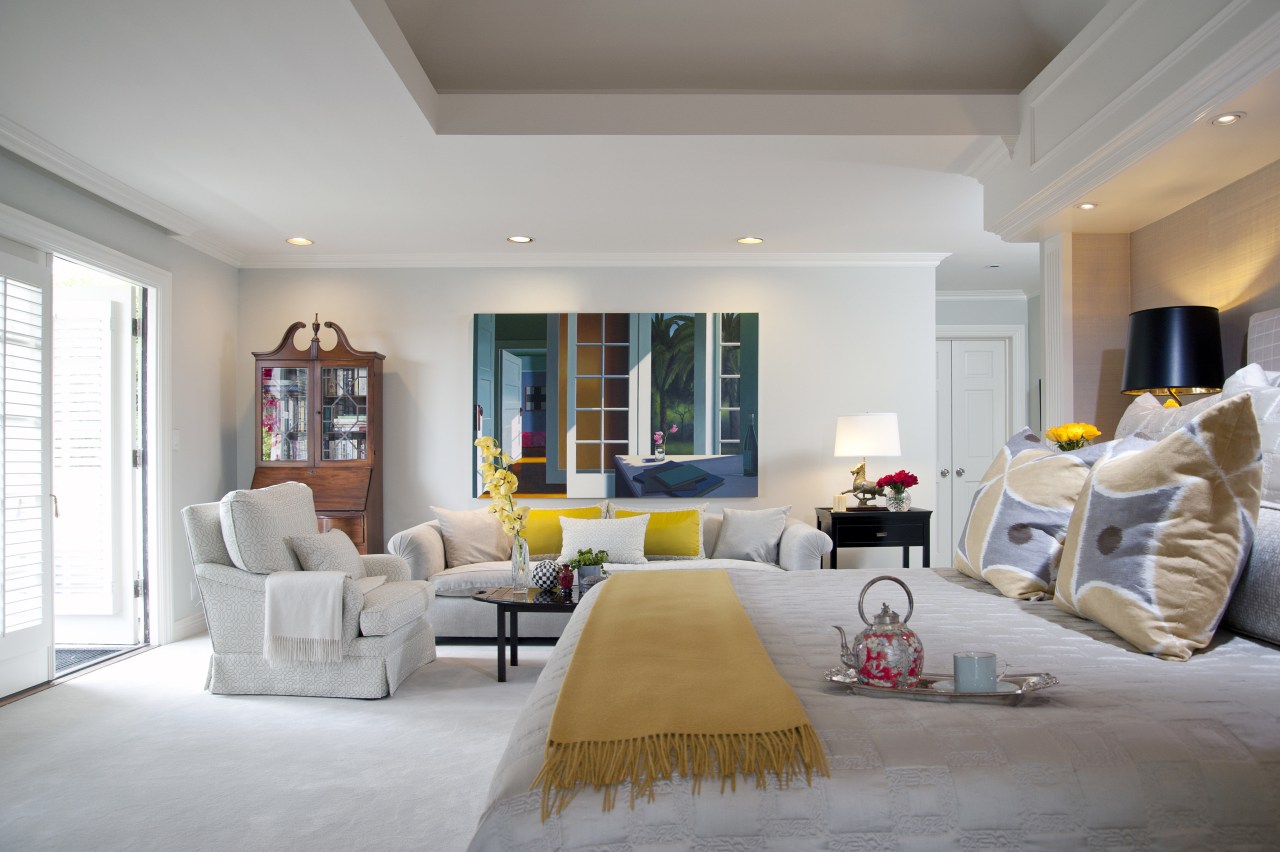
x: 235, y: 608
x: 422, y: 547
x: 388, y: 565
x: 802, y: 546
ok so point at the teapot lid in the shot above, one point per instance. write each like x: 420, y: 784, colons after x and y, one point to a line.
x: 886, y: 615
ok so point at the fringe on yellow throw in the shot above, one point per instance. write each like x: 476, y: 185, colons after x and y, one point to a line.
x: 669, y: 677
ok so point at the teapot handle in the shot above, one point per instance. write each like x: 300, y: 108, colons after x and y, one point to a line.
x: 911, y: 604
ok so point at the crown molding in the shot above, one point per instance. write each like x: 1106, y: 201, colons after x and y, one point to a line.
x: 699, y: 260
x: 53, y: 159
x: 981, y: 296
x: 993, y: 156
x: 1249, y: 61
x: 213, y: 248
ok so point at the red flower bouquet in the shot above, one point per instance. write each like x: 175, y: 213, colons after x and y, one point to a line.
x: 898, y: 482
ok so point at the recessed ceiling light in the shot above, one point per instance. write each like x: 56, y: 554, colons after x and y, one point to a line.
x: 750, y: 241
x: 1226, y: 119
x: 298, y: 241
x: 1087, y: 205
x: 519, y: 239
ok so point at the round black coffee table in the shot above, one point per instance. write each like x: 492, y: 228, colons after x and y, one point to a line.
x: 510, y: 606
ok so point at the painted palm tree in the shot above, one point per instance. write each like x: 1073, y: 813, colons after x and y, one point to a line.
x: 671, y: 342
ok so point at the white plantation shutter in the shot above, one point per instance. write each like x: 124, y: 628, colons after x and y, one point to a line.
x: 22, y: 480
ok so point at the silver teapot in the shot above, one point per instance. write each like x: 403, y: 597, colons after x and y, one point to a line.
x: 887, y: 653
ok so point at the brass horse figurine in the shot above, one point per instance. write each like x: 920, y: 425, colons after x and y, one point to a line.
x: 863, y: 489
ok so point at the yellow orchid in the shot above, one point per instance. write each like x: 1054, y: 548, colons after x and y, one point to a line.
x: 501, y: 485
x: 1072, y: 436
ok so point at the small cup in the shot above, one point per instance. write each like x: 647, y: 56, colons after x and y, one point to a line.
x: 976, y: 671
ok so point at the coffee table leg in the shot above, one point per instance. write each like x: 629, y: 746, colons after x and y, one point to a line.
x: 502, y: 645
x: 515, y: 638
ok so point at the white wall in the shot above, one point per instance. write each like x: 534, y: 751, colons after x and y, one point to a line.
x: 832, y: 341
x: 200, y: 365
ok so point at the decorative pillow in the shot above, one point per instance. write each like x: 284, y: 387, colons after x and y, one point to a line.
x: 1025, y: 446
x: 751, y: 534
x: 1159, y: 537
x: 670, y: 535
x: 255, y: 524
x: 332, y: 551
x: 474, y: 536
x: 622, y: 539
x: 542, y: 527
x: 368, y: 584
x: 1013, y: 536
x: 1255, y: 604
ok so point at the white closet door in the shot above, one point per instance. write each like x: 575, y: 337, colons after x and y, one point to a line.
x: 26, y: 564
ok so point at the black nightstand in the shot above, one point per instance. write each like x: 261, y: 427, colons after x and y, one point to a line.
x: 877, y: 528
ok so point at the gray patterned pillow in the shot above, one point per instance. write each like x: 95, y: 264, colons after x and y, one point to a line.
x: 1255, y: 604
x: 255, y: 524
x: 751, y: 534
x: 331, y: 551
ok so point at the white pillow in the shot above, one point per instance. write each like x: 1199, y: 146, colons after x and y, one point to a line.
x: 621, y: 538
x: 331, y: 551
x: 471, y: 537
x: 751, y: 534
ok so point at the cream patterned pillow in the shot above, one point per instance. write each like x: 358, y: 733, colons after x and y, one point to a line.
x: 1013, y: 537
x: 1159, y: 537
x: 331, y: 551
x: 471, y: 537
x: 621, y: 538
x: 256, y: 522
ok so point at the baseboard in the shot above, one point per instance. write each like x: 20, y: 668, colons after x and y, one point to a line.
x: 185, y: 628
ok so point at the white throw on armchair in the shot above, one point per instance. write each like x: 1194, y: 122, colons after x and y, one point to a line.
x: 238, y: 542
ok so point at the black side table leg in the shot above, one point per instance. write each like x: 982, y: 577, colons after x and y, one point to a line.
x: 906, y: 557
x: 502, y: 645
x: 515, y: 637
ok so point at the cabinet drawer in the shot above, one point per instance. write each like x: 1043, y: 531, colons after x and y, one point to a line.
x: 861, y: 535
x: 352, y: 525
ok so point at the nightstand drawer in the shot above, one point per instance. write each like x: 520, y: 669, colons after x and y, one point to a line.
x: 856, y: 535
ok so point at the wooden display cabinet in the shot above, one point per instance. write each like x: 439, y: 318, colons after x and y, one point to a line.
x: 320, y: 422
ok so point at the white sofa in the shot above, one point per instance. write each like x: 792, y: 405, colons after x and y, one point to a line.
x: 455, y: 615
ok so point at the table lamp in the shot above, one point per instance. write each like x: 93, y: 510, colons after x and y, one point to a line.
x: 866, y: 435
x: 1173, y: 351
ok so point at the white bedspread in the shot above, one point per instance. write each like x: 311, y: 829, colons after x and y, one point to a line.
x: 1128, y: 752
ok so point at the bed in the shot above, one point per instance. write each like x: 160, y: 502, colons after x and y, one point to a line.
x: 1127, y: 751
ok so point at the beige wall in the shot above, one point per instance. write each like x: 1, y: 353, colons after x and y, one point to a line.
x: 1223, y: 250
x: 1100, y: 327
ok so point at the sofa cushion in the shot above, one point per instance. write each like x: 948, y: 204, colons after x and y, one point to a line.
x: 1159, y: 536
x: 257, y: 522
x: 542, y: 528
x: 330, y: 551
x: 1255, y: 604
x: 751, y: 534
x: 391, y: 606
x: 474, y: 536
x: 670, y: 534
x: 621, y: 538
x: 466, y: 580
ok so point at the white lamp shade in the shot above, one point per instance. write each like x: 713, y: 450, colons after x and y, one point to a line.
x: 867, y: 435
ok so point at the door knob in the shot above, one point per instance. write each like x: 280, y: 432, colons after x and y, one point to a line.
x: 959, y: 471
x: 945, y: 473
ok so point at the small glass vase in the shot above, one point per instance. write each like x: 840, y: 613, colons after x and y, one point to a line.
x: 519, y: 566
x: 660, y: 452
x: 897, y: 501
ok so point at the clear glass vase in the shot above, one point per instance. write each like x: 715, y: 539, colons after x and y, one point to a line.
x: 897, y: 501
x: 660, y: 452
x: 519, y: 566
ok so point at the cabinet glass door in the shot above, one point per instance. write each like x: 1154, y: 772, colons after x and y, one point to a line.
x: 284, y: 413
x: 345, y: 413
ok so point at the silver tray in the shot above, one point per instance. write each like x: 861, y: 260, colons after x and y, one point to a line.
x: 1022, y: 685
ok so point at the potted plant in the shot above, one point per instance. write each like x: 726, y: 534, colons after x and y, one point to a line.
x: 589, y: 565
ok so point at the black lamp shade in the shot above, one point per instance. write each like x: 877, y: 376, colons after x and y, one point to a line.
x: 1177, y: 349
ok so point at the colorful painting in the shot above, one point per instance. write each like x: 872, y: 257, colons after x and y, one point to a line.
x: 622, y: 404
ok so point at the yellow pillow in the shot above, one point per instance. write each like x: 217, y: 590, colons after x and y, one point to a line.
x: 670, y: 535
x: 542, y: 528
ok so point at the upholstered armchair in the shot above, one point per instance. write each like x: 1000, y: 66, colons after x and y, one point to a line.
x: 238, y: 542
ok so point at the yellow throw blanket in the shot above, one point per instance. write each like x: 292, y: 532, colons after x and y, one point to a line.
x: 669, y: 676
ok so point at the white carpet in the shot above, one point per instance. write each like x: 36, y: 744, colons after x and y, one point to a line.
x: 137, y: 756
